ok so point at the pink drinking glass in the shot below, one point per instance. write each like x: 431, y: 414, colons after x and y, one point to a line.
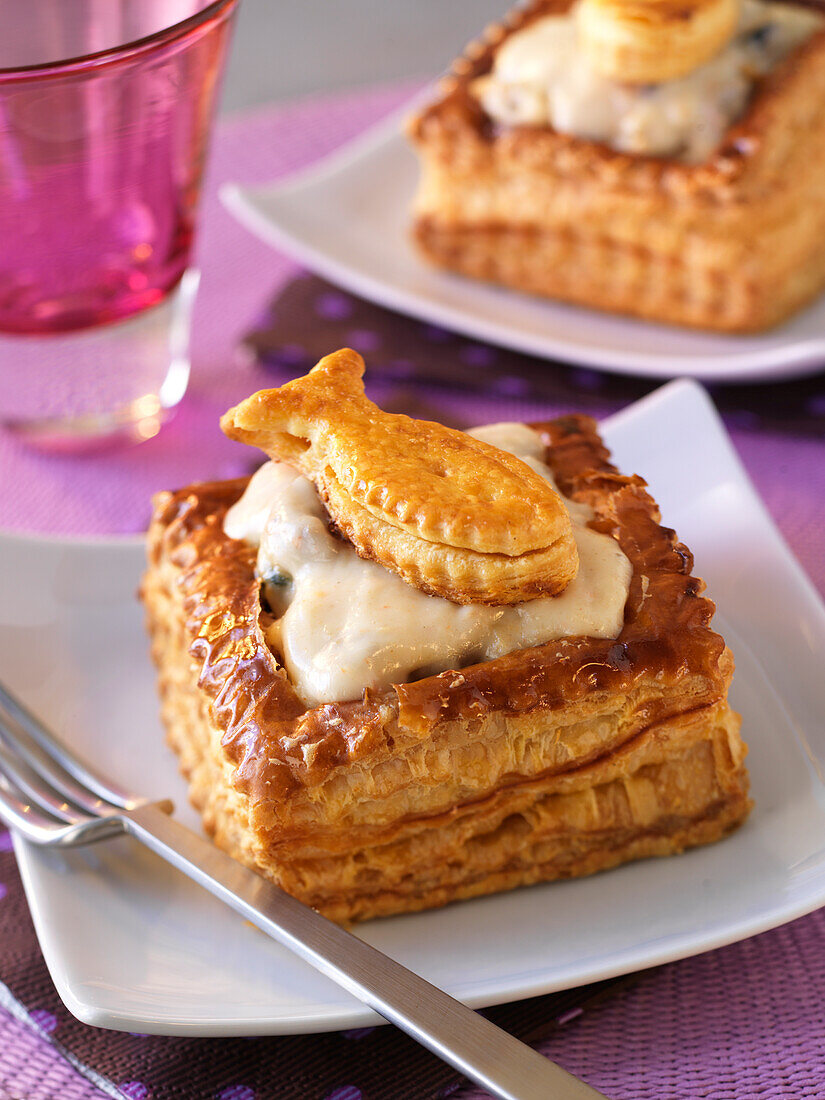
x: 105, y: 113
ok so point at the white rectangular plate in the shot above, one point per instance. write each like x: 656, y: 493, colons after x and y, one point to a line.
x: 348, y: 219
x: 133, y: 945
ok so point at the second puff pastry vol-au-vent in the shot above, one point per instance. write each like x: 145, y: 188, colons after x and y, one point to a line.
x: 640, y: 156
x: 372, y: 769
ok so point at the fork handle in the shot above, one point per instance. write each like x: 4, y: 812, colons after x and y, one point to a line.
x: 477, y: 1048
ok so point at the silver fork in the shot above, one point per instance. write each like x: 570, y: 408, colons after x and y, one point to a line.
x: 54, y: 799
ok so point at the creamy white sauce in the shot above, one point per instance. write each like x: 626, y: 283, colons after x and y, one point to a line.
x: 541, y: 77
x: 344, y: 624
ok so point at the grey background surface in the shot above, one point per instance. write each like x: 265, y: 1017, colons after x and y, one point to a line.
x: 282, y: 50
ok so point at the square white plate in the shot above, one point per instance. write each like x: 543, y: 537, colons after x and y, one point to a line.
x: 348, y: 219
x: 133, y: 945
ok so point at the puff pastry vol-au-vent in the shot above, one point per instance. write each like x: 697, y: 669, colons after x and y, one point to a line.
x: 646, y: 157
x: 375, y: 748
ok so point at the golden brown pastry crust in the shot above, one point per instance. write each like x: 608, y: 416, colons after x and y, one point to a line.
x: 549, y: 762
x: 572, y: 219
x: 450, y: 514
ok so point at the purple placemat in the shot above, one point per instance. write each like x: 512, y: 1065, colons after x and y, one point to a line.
x: 739, y: 1023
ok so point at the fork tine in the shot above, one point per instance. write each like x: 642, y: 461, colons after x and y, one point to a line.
x: 44, y: 831
x: 30, y: 738
x: 35, y: 788
x: 23, y: 747
x: 36, y: 826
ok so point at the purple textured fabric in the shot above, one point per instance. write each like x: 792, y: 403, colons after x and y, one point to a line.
x: 743, y: 1022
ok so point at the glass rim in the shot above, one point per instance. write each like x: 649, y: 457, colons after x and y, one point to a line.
x: 126, y: 50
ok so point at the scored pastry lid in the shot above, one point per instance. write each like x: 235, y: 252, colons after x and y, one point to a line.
x: 276, y: 743
x: 450, y: 514
x: 648, y: 41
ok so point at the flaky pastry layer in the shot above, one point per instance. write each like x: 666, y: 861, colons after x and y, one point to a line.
x: 550, y: 762
x: 734, y: 244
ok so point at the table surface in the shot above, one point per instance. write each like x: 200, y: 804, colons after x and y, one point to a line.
x: 281, y: 51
